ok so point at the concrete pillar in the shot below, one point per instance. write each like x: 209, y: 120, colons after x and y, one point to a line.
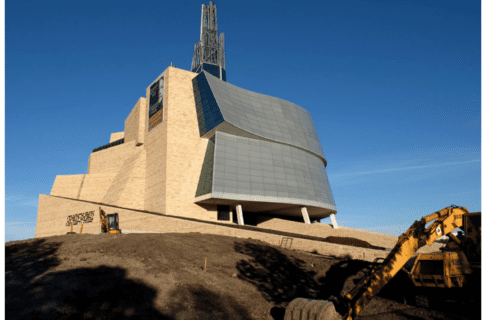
x: 334, y: 223
x: 305, y: 214
x: 239, y: 213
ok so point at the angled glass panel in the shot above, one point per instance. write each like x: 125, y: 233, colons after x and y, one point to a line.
x: 261, y: 112
x: 299, y: 177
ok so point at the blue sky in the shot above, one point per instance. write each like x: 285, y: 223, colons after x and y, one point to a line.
x: 393, y: 88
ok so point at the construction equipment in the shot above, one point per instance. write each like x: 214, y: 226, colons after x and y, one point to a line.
x: 109, y: 223
x: 460, y: 258
x: 72, y: 232
x: 443, y: 222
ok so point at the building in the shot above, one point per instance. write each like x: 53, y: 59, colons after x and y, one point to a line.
x: 198, y: 147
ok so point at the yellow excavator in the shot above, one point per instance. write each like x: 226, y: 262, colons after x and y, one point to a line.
x: 459, y: 259
x: 109, y: 222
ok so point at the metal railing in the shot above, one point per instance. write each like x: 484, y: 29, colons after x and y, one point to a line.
x: 109, y: 145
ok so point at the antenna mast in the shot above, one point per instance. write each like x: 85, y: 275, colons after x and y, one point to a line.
x: 208, y: 51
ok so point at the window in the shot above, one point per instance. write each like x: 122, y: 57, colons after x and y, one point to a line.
x: 156, y: 103
x: 224, y: 213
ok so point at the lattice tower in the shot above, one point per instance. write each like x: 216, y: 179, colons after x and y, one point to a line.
x: 208, y: 49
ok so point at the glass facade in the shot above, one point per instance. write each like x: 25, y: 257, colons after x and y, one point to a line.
x: 264, y: 116
x: 250, y: 169
x: 211, y: 69
x: 280, y: 161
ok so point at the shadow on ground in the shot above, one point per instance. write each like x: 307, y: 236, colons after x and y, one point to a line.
x: 334, y: 281
x: 279, y: 278
x: 195, y: 302
x: 32, y: 292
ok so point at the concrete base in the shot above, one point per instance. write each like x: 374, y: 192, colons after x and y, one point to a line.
x: 334, y: 223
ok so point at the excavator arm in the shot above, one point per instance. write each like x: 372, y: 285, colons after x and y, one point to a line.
x: 104, y: 221
x: 443, y: 223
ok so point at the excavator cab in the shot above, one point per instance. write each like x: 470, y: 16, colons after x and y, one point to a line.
x: 440, y: 270
x: 113, y: 221
x: 458, y: 260
x: 109, y: 222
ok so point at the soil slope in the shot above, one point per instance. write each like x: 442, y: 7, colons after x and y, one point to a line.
x: 161, y: 276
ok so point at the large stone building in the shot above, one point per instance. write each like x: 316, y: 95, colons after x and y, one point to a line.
x: 198, y: 147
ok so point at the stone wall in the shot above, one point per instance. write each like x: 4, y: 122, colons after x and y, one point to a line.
x: 90, y: 187
x: 155, y: 170
x: 116, y: 136
x: 135, y: 123
x: 54, y: 213
x: 185, y: 147
x: 111, y: 160
x: 128, y: 186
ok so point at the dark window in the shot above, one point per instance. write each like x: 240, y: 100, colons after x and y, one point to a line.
x: 156, y: 103
x: 154, y: 93
x: 431, y: 267
x: 250, y: 218
x: 235, y: 217
x: 113, y: 221
x: 223, y: 213
x: 109, y: 145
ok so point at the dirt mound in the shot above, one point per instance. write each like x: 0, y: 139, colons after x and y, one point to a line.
x: 163, y: 276
x: 347, y: 241
x: 290, y: 226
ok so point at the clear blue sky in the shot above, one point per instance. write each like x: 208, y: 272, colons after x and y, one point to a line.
x: 393, y: 88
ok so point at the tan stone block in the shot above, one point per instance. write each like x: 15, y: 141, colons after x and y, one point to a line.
x: 111, y: 160
x: 67, y: 186
x: 185, y: 148
x: 117, y: 136
x: 135, y: 123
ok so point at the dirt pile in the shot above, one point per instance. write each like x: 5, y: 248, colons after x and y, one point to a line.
x: 347, y: 241
x: 323, y: 230
x: 161, y: 276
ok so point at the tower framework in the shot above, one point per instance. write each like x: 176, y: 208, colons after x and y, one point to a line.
x: 209, y: 51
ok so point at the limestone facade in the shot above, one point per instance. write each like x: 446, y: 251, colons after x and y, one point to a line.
x: 117, y: 136
x: 153, y: 172
x: 157, y: 171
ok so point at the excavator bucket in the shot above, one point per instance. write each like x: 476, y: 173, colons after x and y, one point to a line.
x: 309, y: 309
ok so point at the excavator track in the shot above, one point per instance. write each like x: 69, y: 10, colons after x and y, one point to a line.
x: 310, y: 309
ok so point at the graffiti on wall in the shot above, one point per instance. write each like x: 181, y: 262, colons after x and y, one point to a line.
x: 85, y: 217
